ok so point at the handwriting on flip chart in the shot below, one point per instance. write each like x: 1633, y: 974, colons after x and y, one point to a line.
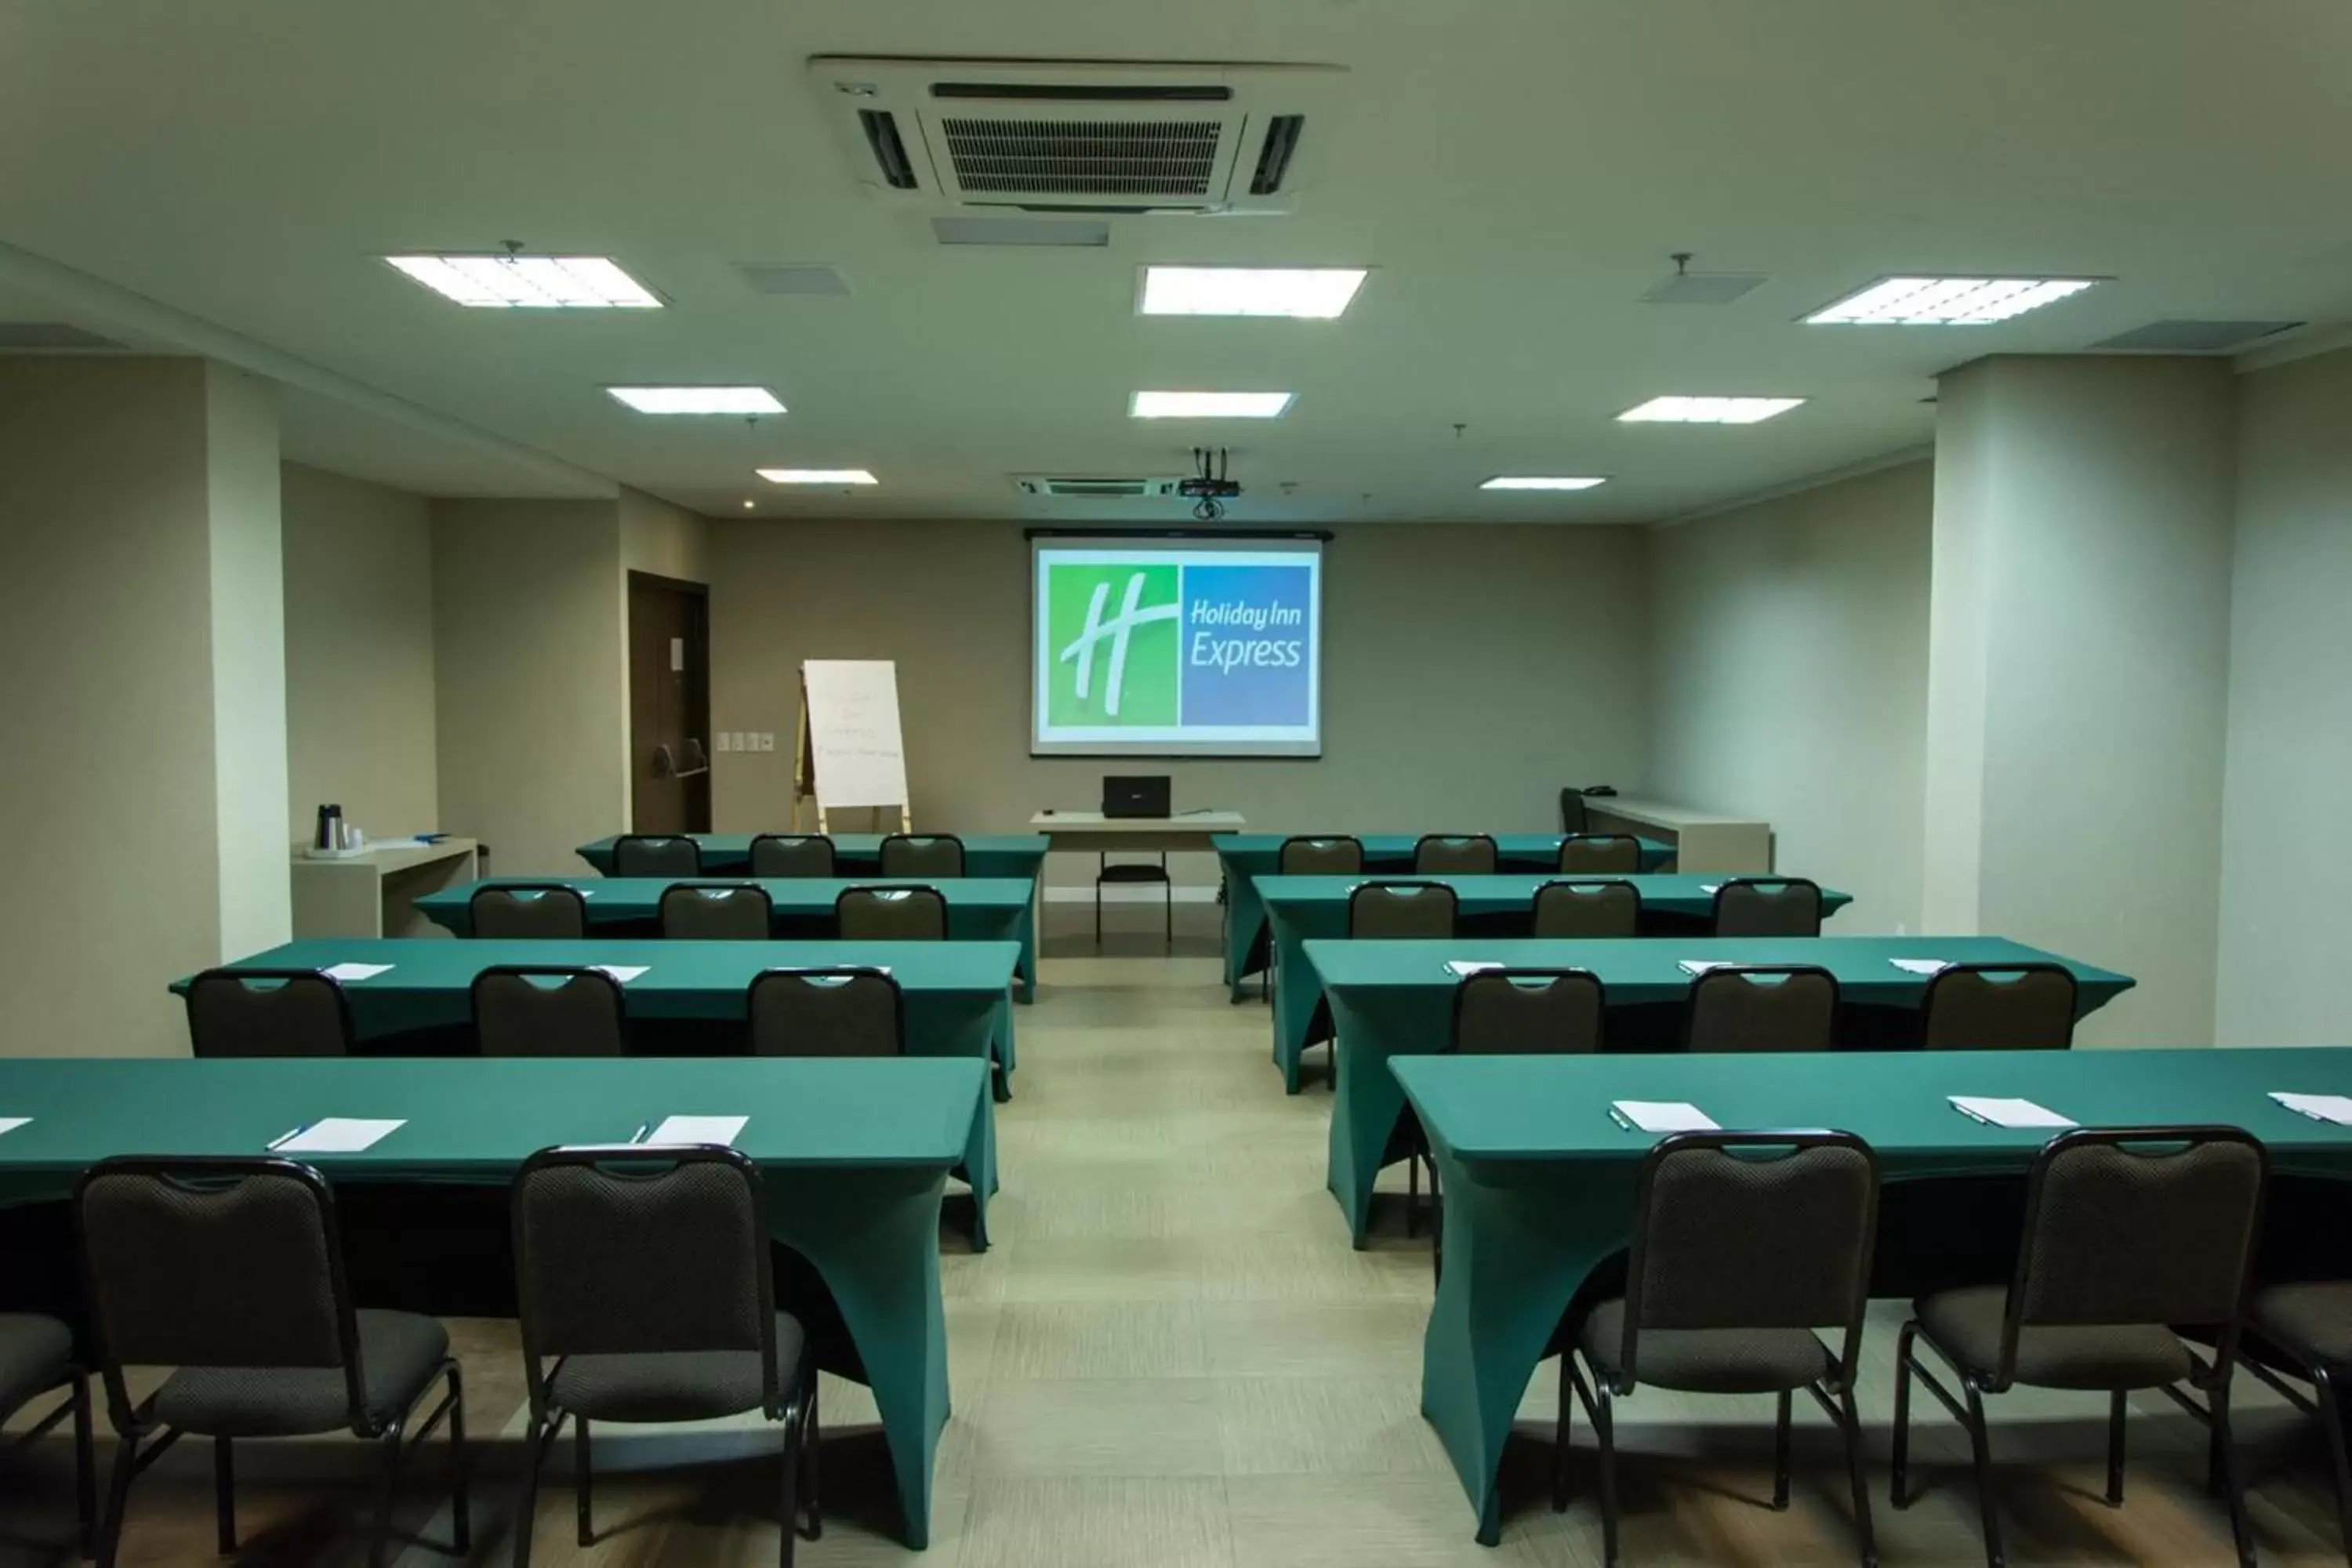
x: 855, y: 751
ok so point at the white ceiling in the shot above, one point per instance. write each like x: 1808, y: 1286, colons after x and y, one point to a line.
x: 1517, y: 173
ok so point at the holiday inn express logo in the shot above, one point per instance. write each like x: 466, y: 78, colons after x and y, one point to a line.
x: 1114, y: 636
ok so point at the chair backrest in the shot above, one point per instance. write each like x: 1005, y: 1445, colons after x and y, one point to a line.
x: 1999, y: 1007
x: 1752, y: 1230
x: 1577, y: 909
x: 1528, y: 1011
x: 791, y: 855
x: 2137, y: 1226
x: 1573, y: 816
x: 1320, y: 857
x: 1762, y: 1007
x: 847, y: 1012
x: 530, y: 1010
x: 657, y: 854
x: 268, y: 1013
x: 923, y: 855
x: 891, y: 914
x: 514, y: 910
x: 695, y: 911
x: 630, y: 1256
x: 1400, y: 910
x: 214, y: 1262
x: 1454, y: 855
x: 1768, y: 905
x: 1585, y: 854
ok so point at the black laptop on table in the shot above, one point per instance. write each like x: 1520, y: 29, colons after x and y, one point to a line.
x: 1135, y: 795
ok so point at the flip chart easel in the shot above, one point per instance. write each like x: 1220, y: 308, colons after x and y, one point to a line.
x: 848, y: 753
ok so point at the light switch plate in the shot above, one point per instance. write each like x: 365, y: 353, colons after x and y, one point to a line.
x: 767, y: 740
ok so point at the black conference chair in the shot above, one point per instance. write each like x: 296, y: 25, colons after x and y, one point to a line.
x: 2130, y: 1234
x: 646, y: 1284
x: 1401, y: 910
x: 693, y: 912
x: 1573, y: 816
x: 793, y: 855
x: 1745, y: 1246
x: 657, y: 854
x: 934, y: 854
x: 1454, y: 855
x: 230, y: 1271
x: 847, y: 1012
x: 1768, y: 905
x: 527, y: 911
x: 268, y: 1013
x: 1319, y: 855
x: 1135, y: 874
x: 1761, y: 1007
x: 891, y: 914
x: 1601, y: 854
x: 523, y: 1010
x: 1999, y: 1007
x: 2303, y: 1332
x: 1578, y: 911
x: 37, y: 1358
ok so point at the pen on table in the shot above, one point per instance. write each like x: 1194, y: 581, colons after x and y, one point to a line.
x: 1619, y: 1118
x: 287, y: 1137
x: 639, y: 1135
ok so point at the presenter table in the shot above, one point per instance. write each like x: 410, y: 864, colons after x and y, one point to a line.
x: 855, y: 854
x: 1300, y: 909
x: 1245, y: 857
x: 954, y: 992
x: 854, y: 1155
x: 1539, y: 1182
x: 979, y: 908
x: 1393, y: 999
x: 1092, y: 833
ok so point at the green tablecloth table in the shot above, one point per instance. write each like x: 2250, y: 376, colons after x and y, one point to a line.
x: 1390, y: 999
x: 1300, y: 909
x: 982, y: 908
x: 854, y: 1154
x: 954, y: 991
x: 1539, y: 1182
x: 1244, y: 858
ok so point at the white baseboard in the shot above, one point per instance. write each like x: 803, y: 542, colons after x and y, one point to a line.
x: 1128, y: 893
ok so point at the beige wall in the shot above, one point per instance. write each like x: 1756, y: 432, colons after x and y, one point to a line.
x: 128, y: 489
x: 358, y: 654
x: 1469, y: 671
x: 666, y: 540
x: 531, y: 707
x: 1788, y: 674
x: 2287, y: 822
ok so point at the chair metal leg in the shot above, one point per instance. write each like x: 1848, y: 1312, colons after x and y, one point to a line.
x: 810, y: 1436
x: 1901, y: 1467
x: 789, y: 1518
x: 1103, y: 860
x: 543, y: 1439
x: 1436, y: 1225
x: 1865, y: 1535
x: 580, y: 1464
x: 2331, y: 1415
x: 117, y: 1499
x: 2115, y: 1449
x: 1560, y: 1438
x: 1981, y: 1442
x: 84, y: 1466
x: 1605, y: 1427
x: 1168, y: 894
x: 225, y: 1496
x: 395, y: 1450
x: 1412, y: 1195
x: 2233, y: 1491
x: 461, y: 1524
x: 1780, y: 1452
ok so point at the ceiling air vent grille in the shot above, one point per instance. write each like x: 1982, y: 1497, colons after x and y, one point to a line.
x: 1084, y: 157
x: 889, y: 151
x: 1274, y: 157
x: 1095, y: 488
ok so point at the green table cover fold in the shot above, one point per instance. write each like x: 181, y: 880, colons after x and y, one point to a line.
x: 854, y: 1154
x: 1390, y: 999
x: 1306, y: 908
x: 1539, y: 1182
x: 1243, y: 857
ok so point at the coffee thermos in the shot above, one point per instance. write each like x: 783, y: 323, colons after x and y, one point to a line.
x: 330, y: 828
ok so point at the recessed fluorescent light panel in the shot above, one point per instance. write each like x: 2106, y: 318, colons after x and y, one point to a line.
x: 531, y: 282
x: 698, y: 399
x: 817, y: 476
x: 1307, y: 293
x: 1209, y: 405
x: 1708, y: 410
x: 1946, y: 301
x: 1541, y: 482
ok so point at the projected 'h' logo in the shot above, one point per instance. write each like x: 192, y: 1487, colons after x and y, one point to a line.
x: 1133, y: 613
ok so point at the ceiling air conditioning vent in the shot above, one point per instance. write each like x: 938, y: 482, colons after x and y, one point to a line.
x: 1078, y: 136
x: 1094, y: 489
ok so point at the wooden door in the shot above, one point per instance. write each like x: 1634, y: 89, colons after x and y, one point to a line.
x: 670, y: 705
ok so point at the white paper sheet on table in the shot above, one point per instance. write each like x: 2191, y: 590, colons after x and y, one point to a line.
x: 2334, y: 1108
x: 337, y: 1135
x: 1662, y: 1115
x: 10, y: 1123
x: 698, y: 1130
x: 1710, y: 886
x: 1996, y: 1112
x: 1701, y: 966
x: 1463, y: 968
x: 350, y: 972
x: 1921, y: 965
x: 622, y: 973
